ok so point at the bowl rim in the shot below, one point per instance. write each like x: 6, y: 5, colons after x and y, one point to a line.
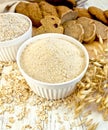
x: 57, y: 35
x: 12, y: 41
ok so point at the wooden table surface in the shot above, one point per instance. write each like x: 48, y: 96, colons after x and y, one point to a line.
x: 40, y: 114
x: 27, y: 111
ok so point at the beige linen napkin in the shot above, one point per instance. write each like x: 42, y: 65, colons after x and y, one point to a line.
x: 9, y: 5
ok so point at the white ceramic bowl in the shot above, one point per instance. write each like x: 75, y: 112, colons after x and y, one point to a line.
x: 9, y: 48
x: 50, y: 90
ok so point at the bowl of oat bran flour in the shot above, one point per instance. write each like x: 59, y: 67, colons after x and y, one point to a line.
x: 52, y: 64
x: 14, y: 30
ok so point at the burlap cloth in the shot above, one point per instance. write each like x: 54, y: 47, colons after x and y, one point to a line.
x: 9, y: 5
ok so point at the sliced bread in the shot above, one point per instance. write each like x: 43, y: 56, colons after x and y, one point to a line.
x: 66, y: 13
x: 89, y: 28
x: 73, y: 29
x: 101, y: 30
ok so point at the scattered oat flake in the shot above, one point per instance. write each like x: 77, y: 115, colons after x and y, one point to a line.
x: 11, y: 119
x: 93, y: 88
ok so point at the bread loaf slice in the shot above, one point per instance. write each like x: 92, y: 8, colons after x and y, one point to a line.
x: 73, y: 29
x: 66, y: 13
x: 101, y: 30
x: 89, y: 28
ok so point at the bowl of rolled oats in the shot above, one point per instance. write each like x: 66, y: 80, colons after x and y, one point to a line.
x: 15, y: 28
x: 52, y: 64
